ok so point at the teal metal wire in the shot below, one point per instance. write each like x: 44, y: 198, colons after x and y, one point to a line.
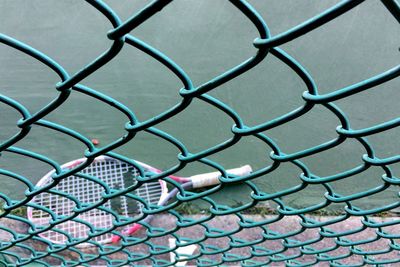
x: 266, y: 45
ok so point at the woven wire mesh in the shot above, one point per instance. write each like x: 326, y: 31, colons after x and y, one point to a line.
x: 292, y: 251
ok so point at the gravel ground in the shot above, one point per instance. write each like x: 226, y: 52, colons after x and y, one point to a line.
x: 230, y: 223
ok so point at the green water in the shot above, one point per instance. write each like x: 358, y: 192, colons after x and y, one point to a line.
x: 205, y: 38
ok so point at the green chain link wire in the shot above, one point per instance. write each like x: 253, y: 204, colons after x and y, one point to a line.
x: 266, y: 45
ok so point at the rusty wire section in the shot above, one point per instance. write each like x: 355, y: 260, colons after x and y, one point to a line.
x: 144, y: 249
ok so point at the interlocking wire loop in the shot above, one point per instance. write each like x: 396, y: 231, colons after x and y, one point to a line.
x: 129, y: 251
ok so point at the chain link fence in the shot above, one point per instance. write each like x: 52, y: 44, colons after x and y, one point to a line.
x: 247, y: 234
